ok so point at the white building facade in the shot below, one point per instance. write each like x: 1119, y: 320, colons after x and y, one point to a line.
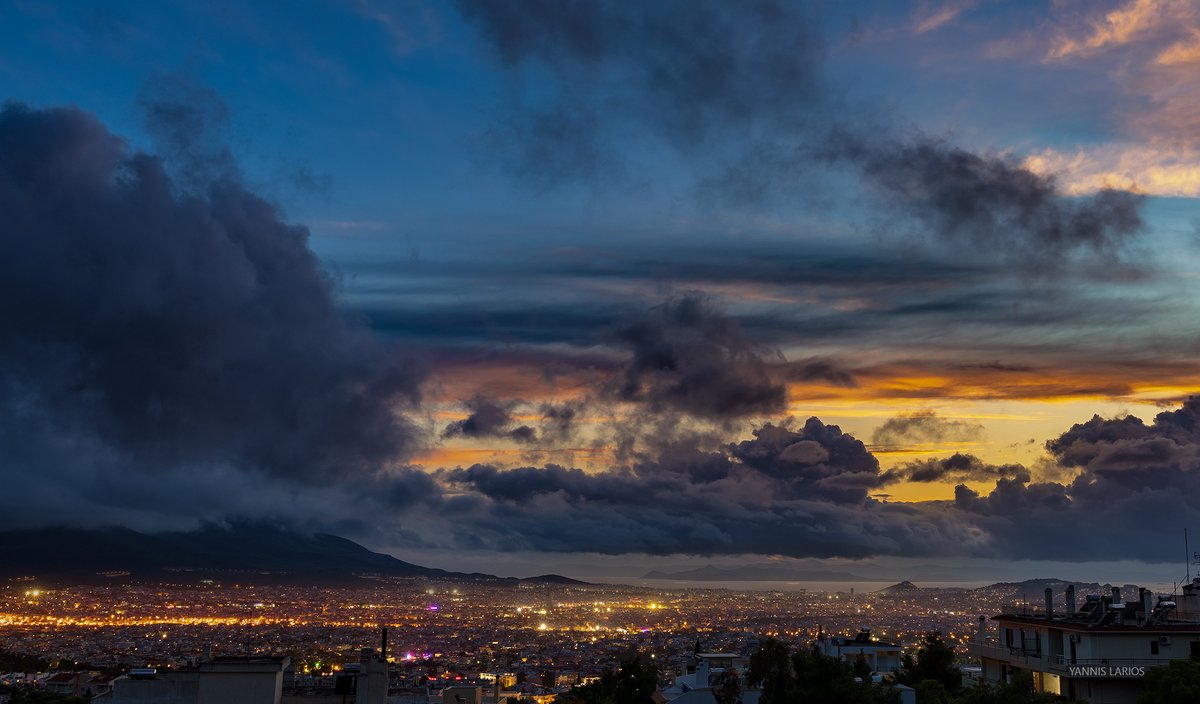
x: 1098, y: 652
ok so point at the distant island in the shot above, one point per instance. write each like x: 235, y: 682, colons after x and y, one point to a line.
x: 756, y: 573
x: 1029, y: 588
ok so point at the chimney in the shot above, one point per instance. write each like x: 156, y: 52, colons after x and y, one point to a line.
x: 1147, y: 604
x: 1049, y: 603
x: 1070, y: 601
x: 383, y: 645
x: 1116, y: 595
x: 982, y: 629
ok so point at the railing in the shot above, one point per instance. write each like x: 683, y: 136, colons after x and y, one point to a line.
x: 999, y: 652
x: 1059, y: 663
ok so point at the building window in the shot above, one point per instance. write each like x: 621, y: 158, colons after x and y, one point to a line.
x: 1195, y: 648
x: 1153, y: 647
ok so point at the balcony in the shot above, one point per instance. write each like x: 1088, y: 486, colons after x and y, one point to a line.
x: 1057, y: 664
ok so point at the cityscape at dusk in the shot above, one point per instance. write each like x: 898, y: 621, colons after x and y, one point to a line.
x: 544, y: 332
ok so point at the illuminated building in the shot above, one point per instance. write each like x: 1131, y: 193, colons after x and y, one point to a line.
x: 1098, y: 652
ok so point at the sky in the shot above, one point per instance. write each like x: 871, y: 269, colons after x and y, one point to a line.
x: 598, y: 287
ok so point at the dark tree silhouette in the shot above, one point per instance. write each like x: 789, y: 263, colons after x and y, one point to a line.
x: 1177, y: 683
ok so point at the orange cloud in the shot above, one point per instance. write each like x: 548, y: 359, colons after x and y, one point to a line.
x: 508, y: 457
x: 929, y: 19
x: 1186, y: 51
x: 920, y: 381
x: 528, y: 374
x: 1158, y: 155
x: 1151, y: 170
x: 1133, y: 21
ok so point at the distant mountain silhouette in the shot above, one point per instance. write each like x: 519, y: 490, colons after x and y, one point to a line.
x: 239, y: 553
x: 553, y: 579
x: 755, y: 573
x: 905, y: 587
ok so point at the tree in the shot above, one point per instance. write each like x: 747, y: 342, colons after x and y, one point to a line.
x: 729, y: 688
x: 934, y: 661
x: 11, y: 661
x: 1177, y: 683
x: 821, y: 679
x: 933, y: 692
x: 634, y: 682
x: 1019, y: 690
x: 771, y: 669
x: 862, y: 669
x: 812, y: 678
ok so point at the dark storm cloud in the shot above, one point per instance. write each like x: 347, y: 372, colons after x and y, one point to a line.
x: 802, y: 490
x: 958, y: 467
x: 688, y: 356
x: 814, y: 369
x: 972, y: 202
x: 490, y: 419
x: 559, y: 419
x: 790, y: 491
x: 737, y: 90
x: 1137, y: 484
x: 924, y: 427
x: 498, y: 321
x: 522, y: 483
x: 902, y: 299
x: 157, y: 326
x: 818, y: 460
x: 525, y: 301
x: 1125, y: 452
x: 803, y: 261
x: 686, y: 72
x: 992, y: 202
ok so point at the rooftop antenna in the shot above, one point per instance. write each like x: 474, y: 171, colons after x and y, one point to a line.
x: 1187, y: 557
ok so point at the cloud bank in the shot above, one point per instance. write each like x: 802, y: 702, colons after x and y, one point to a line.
x: 150, y: 326
x: 804, y: 491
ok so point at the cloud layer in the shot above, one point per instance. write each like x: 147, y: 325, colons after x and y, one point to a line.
x: 802, y: 491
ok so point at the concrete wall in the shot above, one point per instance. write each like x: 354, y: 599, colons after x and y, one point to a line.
x: 170, y: 688
x: 240, y: 688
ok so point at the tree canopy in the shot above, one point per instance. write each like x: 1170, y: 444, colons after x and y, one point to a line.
x: 810, y: 677
x: 1177, y: 683
x: 634, y: 682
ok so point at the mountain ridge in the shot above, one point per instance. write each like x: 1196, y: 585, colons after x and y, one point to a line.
x: 241, y: 552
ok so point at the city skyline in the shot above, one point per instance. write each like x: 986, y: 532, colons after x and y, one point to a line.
x: 610, y: 284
